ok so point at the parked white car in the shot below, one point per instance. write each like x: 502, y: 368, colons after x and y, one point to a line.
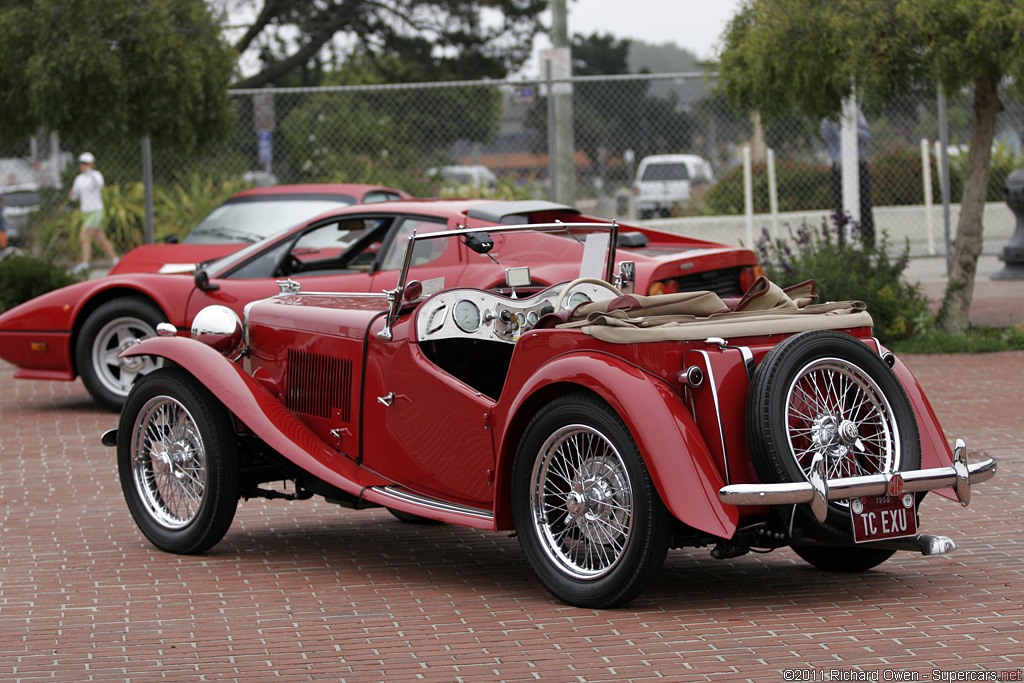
x: 664, y: 182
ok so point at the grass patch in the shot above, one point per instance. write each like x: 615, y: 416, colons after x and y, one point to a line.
x: 979, y: 339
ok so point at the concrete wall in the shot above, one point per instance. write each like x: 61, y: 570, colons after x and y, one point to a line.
x: 901, y: 222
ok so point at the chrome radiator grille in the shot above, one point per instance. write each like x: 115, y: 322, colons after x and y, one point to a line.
x: 318, y: 385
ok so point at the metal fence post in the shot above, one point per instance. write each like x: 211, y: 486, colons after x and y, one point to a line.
x: 147, y: 182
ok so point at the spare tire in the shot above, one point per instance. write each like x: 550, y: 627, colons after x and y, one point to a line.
x: 827, y: 392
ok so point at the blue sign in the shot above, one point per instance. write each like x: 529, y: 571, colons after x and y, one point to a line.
x: 266, y: 148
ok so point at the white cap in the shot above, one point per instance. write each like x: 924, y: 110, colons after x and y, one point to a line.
x: 86, y: 158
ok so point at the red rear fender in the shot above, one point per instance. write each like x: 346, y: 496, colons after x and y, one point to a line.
x: 680, y: 464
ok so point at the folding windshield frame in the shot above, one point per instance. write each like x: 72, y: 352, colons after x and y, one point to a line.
x: 395, y: 295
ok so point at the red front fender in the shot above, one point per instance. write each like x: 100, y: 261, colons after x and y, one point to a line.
x: 680, y: 464
x: 259, y: 410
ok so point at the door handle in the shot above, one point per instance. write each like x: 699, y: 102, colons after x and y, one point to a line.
x: 387, y: 400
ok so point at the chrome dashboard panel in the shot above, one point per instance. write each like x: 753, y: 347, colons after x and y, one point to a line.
x: 466, y: 313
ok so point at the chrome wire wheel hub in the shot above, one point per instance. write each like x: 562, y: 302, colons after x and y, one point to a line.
x: 835, y: 409
x: 169, y: 462
x: 581, y: 502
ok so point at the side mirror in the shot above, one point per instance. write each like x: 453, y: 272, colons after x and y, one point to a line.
x: 481, y: 242
x: 626, y: 279
x: 202, y: 281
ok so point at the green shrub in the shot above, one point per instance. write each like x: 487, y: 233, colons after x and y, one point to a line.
x: 801, y: 187
x: 363, y: 169
x: 979, y: 339
x: 25, y: 277
x: 845, y: 270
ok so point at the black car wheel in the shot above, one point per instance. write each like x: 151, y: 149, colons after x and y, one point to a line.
x: 112, y: 327
x: 176, y: 457
x: 825, y: 392
x: 586, y: 512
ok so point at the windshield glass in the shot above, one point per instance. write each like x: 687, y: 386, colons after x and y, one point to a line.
x: 250, y: 219
x: 673, y: 171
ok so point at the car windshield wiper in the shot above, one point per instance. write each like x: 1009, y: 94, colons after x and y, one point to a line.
x: 221, y: 231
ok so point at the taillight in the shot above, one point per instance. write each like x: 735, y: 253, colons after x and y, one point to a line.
x: 749, y: 275
x: 663, y: 287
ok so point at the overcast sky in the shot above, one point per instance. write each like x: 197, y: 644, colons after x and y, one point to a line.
x: 695, y: 25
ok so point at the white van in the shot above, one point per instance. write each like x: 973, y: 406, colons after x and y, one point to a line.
x: 663, y: 182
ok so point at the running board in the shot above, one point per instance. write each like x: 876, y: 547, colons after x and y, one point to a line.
x: 407, y: 501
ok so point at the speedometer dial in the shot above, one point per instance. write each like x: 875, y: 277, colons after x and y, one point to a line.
x: 467, y: 315
x: 577, y: 298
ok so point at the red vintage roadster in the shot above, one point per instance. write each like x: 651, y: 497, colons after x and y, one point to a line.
x: 603, y: 426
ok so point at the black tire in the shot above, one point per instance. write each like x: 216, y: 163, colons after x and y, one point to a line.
x: 825, y: 391
x: 177, y: 461
x: 105, y: 333
x: 842, y: 559
x: 592, y: 526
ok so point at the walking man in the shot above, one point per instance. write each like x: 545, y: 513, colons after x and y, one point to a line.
x: 87, y: 189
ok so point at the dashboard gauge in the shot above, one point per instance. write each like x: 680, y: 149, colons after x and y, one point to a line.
x: 467, y: 315
x: 520, y: 319
x: 532, y: 318
x: 576, y: 299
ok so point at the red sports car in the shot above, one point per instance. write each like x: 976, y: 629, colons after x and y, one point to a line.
x: 604, y: 427
x: 81, y: 329
x: 248, y: 217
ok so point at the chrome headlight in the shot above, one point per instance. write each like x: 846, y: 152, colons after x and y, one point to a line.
x: 220, y: 328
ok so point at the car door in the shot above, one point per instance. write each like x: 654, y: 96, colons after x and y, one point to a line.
x: 424, y: 429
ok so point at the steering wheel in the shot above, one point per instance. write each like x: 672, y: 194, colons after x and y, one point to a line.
x: 583, y: 281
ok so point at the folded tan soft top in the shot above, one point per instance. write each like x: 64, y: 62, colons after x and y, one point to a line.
x: 689, y: 316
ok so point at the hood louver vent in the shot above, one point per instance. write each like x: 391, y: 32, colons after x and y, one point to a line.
x: 320, y: 386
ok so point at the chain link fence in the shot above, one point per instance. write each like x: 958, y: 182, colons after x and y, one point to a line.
x: 491, y: 137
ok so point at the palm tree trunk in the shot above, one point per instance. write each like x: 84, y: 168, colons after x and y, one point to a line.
x: 956, y: 306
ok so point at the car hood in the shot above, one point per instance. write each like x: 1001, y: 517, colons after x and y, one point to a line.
x: 170, y: 258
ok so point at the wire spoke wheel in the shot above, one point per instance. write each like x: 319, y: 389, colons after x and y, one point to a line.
x: 836, y: 409
x: 177, y: 460
x: 585, y: 509
x: 581, y: 501
x: 827, y: 393
x: 169, y: 465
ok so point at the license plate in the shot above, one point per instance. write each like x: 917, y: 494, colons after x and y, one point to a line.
x: 878, y: 517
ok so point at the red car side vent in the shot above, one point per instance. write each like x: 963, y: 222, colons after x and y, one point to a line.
x: 320, y: 386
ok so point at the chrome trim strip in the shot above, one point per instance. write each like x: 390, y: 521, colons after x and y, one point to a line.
x: 433, y: 503
x: 718, y: 410
x: 960, y: 476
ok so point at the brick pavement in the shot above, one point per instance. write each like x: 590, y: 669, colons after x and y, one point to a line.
x: 305, y: 591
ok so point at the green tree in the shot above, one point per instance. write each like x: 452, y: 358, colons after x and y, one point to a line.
x: 447, y: 36
x: 781, y: 56
x: 101, y: 70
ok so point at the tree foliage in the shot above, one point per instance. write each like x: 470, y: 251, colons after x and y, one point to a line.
x: 102, y: 70
x: 613, y: 116
x: 450, y: 38
x: 781, y: 56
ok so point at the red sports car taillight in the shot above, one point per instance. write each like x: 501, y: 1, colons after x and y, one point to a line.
x: 749, y: 275
x: 663, y: 287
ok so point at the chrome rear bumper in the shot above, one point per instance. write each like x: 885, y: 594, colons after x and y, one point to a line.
x: 818, y: 490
